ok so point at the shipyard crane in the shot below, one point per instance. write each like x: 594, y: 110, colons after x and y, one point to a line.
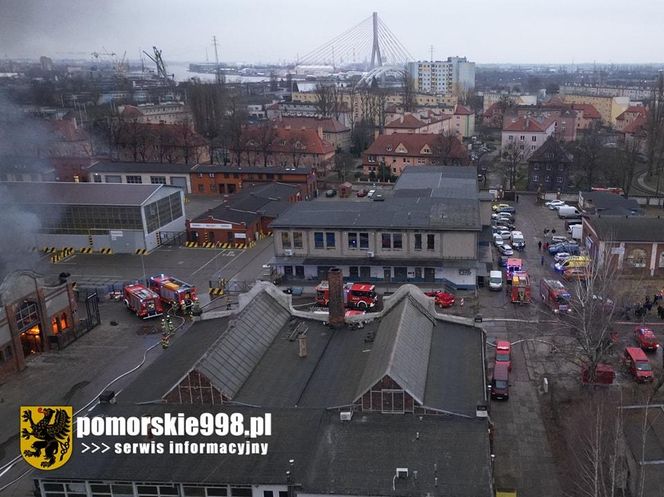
x: 159, y: 62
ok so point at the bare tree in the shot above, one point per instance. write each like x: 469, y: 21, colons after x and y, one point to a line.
x: 408, y: 91
x: 655, y: 126
x: 266, y: 137
x: 444, y: 148
x: 512, y: 157
x: 234, y: 122
x: 326, y: 99
x: 344, y: 165
x: 208, y: 104
x: 587, y: 155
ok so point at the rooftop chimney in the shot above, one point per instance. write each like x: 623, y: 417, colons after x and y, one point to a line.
x: 336, y: 304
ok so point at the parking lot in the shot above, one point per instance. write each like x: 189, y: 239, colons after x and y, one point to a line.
x: 525, y: 458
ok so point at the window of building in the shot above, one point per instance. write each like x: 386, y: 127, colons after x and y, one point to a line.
x: 548, y: 178
x: 113, y: 178
x: 431, y: 242
x: 285, y: 240
x: 158, y: 180
x: 533, y: 147
x: 134, y: 179
x: 97, y: 178
x: 534, y: 138
x: 510, y: 138
x: 535, y: 167
x: 535, y: 177
x: 319, y: 240
x: 330, y: 239
x: 364, y: 240
x: 201, y: 188
x: 522, y: 137
x: 386, y: 240
x: 297, y: 239
x: 418, y: 241
x: 637, y: 258
x: 352, y: 240
x: 213, y: 187
x: 397, y: 241
x: 268, y: 493
x: 548, y: 167
x: 559, y: 179
x: 661, y: 260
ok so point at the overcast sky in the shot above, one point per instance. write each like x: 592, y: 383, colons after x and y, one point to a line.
x: 486, y: 31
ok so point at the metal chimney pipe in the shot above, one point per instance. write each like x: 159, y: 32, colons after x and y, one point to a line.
x: 336, y: 304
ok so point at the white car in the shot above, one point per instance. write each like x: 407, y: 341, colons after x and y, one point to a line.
x: 561, y: 256
x: 497, y: 239
x: 505, y: 234
x: 554, y: 204
x: 558, y: 239
x: 505, y: 249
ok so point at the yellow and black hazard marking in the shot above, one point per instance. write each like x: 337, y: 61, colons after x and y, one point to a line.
x: 48, y: 250
x: 105, y: 251
x: 141, y: 251
x: 190, y: 244
x: 216, y: 292
x: 85, y: 250
x: 62, y: 254
x: 224, y: 245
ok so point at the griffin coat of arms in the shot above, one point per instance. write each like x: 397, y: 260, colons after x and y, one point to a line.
x: 46, y: 441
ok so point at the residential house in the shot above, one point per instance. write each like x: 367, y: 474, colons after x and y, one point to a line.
x: 587, y: 116
x: 564, y: 119
x: 397, y: 151
x: 633, y: 245
x: 269, y: 145
x: 162, y: 113
x: 463, y: 121
x: 215, y: 180
x: 331, y: 129
x: 549, y: 167
x: 396, y: 409
x: 424, y: 232
x: 608, y: 107
x: 418, y: 122
x: 630, y: 115
x: 526, y: 134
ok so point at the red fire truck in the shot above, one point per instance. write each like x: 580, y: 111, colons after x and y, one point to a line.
x: 521, y: 288
x: 356, y: 295
x: 555, y: 296
x: 142, y: 301
x: 513, y: 265
x: 173, y: 292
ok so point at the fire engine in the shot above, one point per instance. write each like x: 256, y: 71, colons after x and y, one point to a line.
x: 555, y: 296
x: 173, y: 292
x: 520, y: 288
x: 356, y: 295
x: 513, y: 265
x: 142, y: 301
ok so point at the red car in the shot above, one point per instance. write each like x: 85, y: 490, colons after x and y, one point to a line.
x: 443, y: 299
x: 646, y: 338
x: 362, y: 193
x: 503, y: 353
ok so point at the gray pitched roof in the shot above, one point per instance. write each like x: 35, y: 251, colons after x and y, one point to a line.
x: 233, y: 357
x: 401, y: 350
x: 226, y: 213
x: 62, y: 193
x: 397, y: 213
x: 610, y: 204
x: 628, y: 229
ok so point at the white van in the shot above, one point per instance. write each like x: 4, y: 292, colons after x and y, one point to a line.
x: 371, y: 193
x: 518, y: 241
x: 566, y: 211
x: 496, y: 280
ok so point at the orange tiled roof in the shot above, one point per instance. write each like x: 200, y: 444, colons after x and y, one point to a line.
x: 414, y: 143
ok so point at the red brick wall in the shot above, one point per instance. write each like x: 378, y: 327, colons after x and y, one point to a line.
x: 197, y: 389
x: 219, y: 184
x: 221, y: 235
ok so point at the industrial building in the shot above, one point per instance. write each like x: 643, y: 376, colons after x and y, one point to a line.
x: 36, y: 315
x: 397, y: 408
x: 112, y: 218
x: 427, y: 230
x: 145, y: 173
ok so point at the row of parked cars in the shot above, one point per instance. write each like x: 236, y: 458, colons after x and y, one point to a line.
x: 506, y: 238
